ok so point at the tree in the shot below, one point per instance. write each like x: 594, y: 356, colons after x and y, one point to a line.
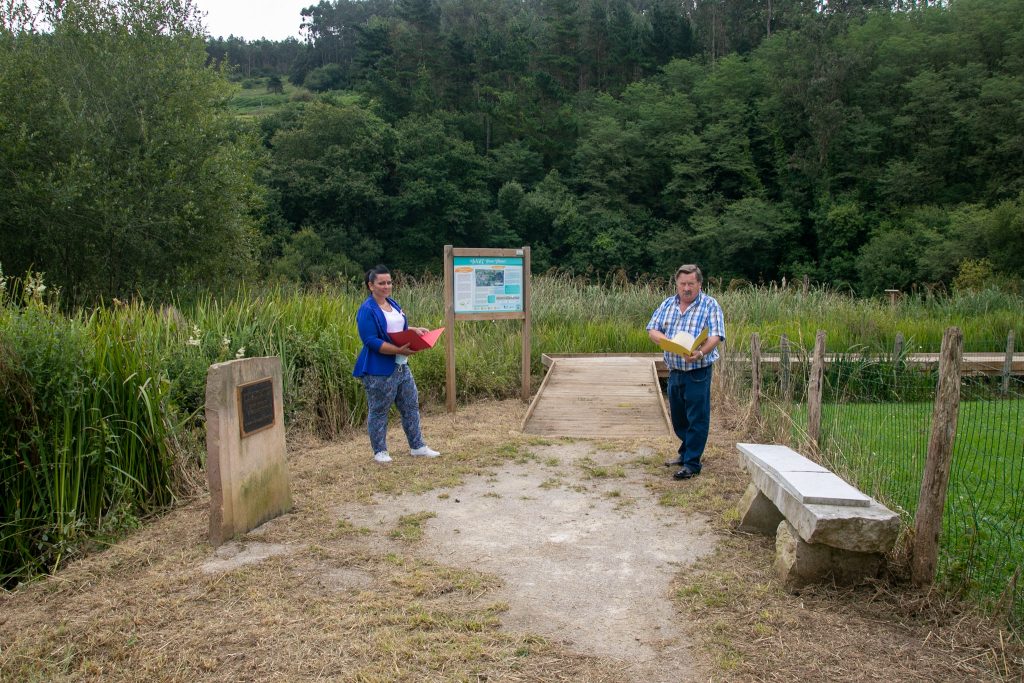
x: 887, y: 261
x: 441, y: 196
x: 751, y: 239
x: 842, y: 228
x: 122, y: 171
x: 327, y: 77
x: 671, y: 33
x: 560, y: 56
x: 306, y: 259
x: 329, y: 170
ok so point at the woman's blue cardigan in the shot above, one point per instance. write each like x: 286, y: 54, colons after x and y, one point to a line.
x: 373, y: 330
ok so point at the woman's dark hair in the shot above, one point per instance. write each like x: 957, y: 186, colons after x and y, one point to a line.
x: 372, y: 273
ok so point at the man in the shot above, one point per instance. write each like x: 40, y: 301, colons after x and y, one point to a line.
x: 689, y: 382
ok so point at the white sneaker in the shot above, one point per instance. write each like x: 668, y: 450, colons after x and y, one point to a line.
x: 424, y: 452
x: 382, y: 456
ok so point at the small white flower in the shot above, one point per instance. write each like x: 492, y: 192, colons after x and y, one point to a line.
x: 195, y: 339
x: 240, y: 353
x: 34, y: 287
x: 225, y: 342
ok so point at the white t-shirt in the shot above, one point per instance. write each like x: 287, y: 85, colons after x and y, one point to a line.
x: 396, y: 323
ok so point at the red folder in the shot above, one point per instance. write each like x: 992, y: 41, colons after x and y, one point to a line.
x: 415, y: 341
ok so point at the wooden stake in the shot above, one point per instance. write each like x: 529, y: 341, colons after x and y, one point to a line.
x: 755, y: 375
x: 814, y: 390
x: 1008, y: 363
x: 787, y: 386
x: 935, y: 482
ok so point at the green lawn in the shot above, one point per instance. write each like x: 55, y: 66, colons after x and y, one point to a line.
x: 256, y: 101
x: 881, y: 448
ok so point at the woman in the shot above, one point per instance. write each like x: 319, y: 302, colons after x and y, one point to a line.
x: 384, y: 368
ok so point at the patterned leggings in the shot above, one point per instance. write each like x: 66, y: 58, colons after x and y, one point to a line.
x: 398, y: 388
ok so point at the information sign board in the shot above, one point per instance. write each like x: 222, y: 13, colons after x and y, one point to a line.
x: 488, y: 284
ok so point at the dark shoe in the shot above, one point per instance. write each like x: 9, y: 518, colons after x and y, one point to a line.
x: 685, y: 473
x: 674, y: 463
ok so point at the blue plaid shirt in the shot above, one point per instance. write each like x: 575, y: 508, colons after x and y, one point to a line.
x: 703, y: 312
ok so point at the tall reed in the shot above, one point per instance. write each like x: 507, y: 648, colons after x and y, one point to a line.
x: 84, y: 429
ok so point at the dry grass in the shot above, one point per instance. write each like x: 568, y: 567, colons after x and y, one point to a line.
x: 343, y: 604
x: 350, y: 604
x: 752, y: 630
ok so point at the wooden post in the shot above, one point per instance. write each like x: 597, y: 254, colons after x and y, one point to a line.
x: 525, y: 392
x: 755, y: 375
x: 814, y: 390
x: 449, y: 321
x: 785, y: 370
x: 934, y: 483
x: 807, y: 284
x: 1008, y: 362
x: 897, y: 348
x: 894, y: 296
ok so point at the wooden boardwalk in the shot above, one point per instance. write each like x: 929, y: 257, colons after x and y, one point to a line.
x: 599, y: 397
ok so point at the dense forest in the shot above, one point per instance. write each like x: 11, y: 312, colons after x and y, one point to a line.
x: 866, y: 144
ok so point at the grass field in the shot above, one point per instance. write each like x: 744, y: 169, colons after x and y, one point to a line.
x: 257, y: 101
x: 881, y: 447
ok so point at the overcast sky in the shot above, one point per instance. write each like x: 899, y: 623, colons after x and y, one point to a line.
x: 253, y: 19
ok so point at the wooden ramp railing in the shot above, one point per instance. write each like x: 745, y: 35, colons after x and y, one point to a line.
x: 599, y: 397
x: 974, y: 363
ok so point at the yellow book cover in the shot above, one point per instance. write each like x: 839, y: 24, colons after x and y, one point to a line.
x: 684, y: 343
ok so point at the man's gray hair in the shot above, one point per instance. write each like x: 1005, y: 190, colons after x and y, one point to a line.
x: 690, y: 268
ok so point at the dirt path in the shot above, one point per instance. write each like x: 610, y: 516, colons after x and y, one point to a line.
x: 585, y: 553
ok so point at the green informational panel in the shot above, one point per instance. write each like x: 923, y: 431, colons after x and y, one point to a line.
x: 488, y: 284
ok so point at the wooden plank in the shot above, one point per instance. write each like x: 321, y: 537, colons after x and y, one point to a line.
x: 536, y: 400
x: 661, y: 398
x: 593, y: 429
x: 598, y: 397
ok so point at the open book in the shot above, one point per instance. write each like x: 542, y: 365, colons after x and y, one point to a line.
x: 684, y: 343
x: 415, y: 341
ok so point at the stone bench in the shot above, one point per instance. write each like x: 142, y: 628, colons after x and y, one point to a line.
x: 825, y: 530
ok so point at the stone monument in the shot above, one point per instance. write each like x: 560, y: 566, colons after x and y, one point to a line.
x: 245, y: 446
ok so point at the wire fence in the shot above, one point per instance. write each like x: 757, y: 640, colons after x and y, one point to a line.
x: 876, y: 419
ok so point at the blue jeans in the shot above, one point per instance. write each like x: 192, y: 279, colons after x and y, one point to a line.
x: 689, y: 400
x: 398, y: 388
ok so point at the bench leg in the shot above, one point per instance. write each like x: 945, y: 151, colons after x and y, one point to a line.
x: 758, y: 514
x: 799, y: 563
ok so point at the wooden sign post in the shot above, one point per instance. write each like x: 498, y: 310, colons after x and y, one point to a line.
x: 485, y: 284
